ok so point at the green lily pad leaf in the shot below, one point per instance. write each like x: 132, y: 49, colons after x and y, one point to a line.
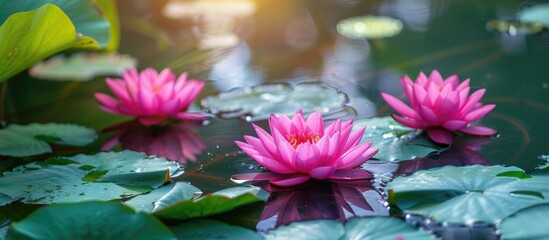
x: 536, y: 14
x: 83, y: 221
x: 356, y: 228
x: 5, y: 199
x: 82, y: 66
x: 395, y: 141
x: 23, y: 36
x: 170, y: 207
x: 528, y: 223
x: 179, y: 191
x: 318, y: 229
x: 104, y: 176
x: 260, y: 102
x: 18, y: 140
x: 211, y: 229
x: 467, y: 194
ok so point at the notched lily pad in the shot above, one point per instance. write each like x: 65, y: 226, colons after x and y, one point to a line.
x: 104, y: 176
x: 255, y: 103
x: 82, y: 66
x: 467, y: 194
x: 179, y: 201
x: 395, y: 141
x: 383, y: 228
x: 27, y: 140
x: 371, y: 27
x: 89, y: 220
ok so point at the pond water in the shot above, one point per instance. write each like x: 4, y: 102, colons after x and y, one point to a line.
x: 298, y: 41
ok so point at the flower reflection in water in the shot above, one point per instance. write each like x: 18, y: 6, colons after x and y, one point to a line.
x: 177, y: 141
x: 320, y: 200
x: 462, y: 153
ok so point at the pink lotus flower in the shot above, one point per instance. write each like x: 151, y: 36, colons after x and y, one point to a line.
x: 440, y: 107
x: 150, y: 96
x: 298, y: 150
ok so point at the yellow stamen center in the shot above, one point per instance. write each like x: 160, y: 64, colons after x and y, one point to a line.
x: 296, y: 139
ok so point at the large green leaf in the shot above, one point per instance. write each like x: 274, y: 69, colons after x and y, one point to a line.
x: 176, y: 205
x: 211, y: 229
x: 179, y: 191
x: 103, y: 176
x: 28, y: 37
x: 89, y: 220
x: 395, y: 141
x: 468, y: 194
x: 33, y: 139
x: 383, y: 228
x: 528, y: 223
x: 536, y: 14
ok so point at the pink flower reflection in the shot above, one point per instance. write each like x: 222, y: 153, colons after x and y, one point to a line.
x: 151, y: 96
x: 440, y: 107
x: 320, y: 200
x: 462, y: 153
x: 297, y: 150
x: 177, y: 142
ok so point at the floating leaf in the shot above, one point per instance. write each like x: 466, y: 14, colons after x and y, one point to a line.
x: 18, y: 140
x: 528, y: 223
x: 89, y: 220
x: 395, y: 141
x: 103, y: 176
x: 356, y: 228
x: 179, y: 190
x: 174, y: 206
x: 371, y: 27
x: 259, y: 102
x: 211, y: 229
x: 82, y: 66
x: 468, y: 194
x: 5, y: 199
x: 535, y: 14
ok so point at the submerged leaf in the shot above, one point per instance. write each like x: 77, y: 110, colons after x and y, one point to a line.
x: 528, y: 223
x: 27, y: 140
x: 211, y: 229
x: 103, y: 176
x: 83, y: 66
x: 395, y: 141
x: 259, y: 102
x: 468, y: 194
x: 89, y: 220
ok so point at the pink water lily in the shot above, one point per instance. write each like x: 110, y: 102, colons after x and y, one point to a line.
x: 151, y: 96
x: 440, y: 106
x: 298, y: 150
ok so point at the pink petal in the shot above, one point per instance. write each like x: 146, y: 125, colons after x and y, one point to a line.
x: 148, y: 121
x: 354, y: 138
x: 407, y: 122
x: 118, y: 87
x: 180, y: 82
x: 440, y: 135
x: 315, y: 123
x: 272, y: 165
x: 420, y: 96
x: 164, y: 77
x: 289, y: 180
x: 421, y: 80
x: 455, y: 124
x: 322, y: 172
x: 147, y: 101
x: 196, y: 116
x: 107, y: 102
x: 463, y: 85
x: 351, y: 174
x: 452, y: 81
x: 267, y: 140
x: 479, y: 131
x: 306, y: 157
x: 428, y: 115
x: 353, y: 158
x: 398, y: 105
x: 471, y: 102
x: 478, y: 113
x: 298, y: 123
x: 262, y: 176
x: 436, y: 77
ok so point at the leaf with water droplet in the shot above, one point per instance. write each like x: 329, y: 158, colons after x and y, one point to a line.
x: 395, y: 141
x: 27, y: 140
x: 260, y: 102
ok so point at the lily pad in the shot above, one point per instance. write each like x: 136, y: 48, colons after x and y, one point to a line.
x: 528, y: 223
x: 104, y: 176
x: 211, y: 229
x: 177, y: 206
x: 178, y: 190
x: 18, y: 140
x: 467, y: 194
x: 83, y: 66
x: 535, y: 14
x: 356, y: 228
x: 89, y: 220
x: 395, y: 141
x: 371, y: 27
x: 255, y: 103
